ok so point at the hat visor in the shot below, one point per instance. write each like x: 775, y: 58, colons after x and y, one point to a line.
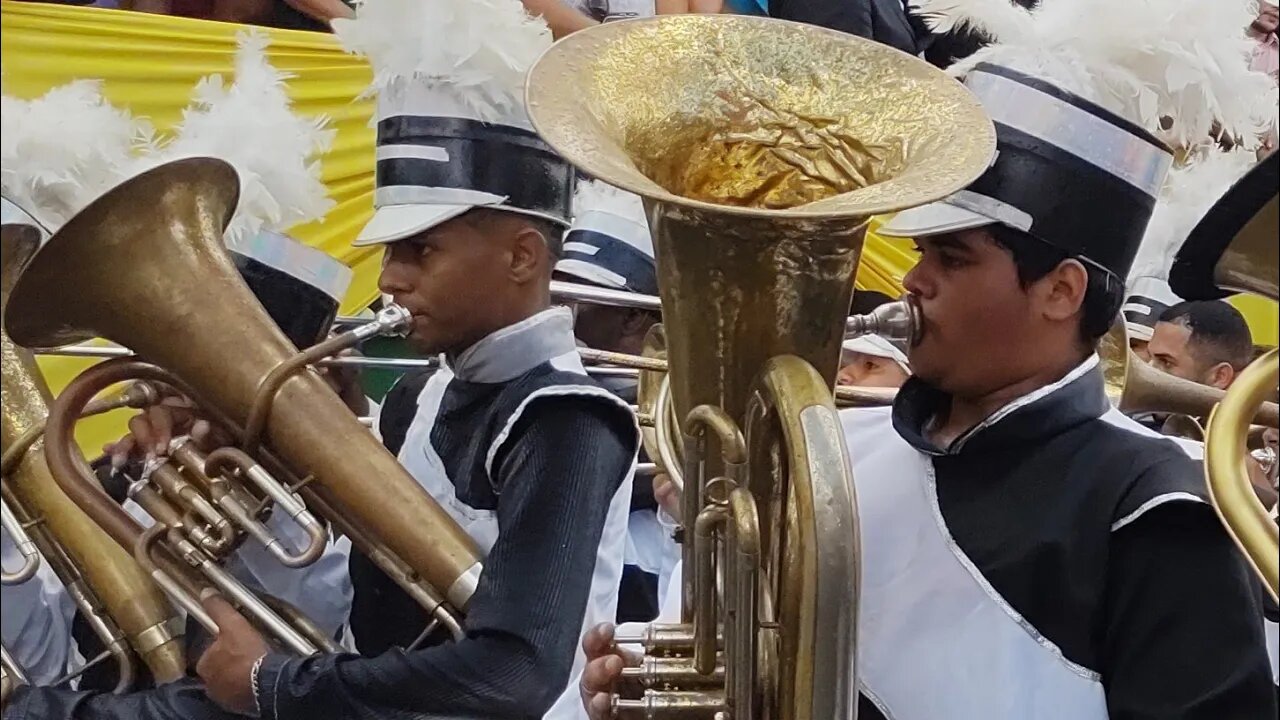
x: 397, y: 222
x: 932, y: 219
x: 586, y: 272
x: 1138, y: 331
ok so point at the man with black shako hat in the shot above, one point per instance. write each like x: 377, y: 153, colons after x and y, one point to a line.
x: 532, y: 458
x: 1028, y: 551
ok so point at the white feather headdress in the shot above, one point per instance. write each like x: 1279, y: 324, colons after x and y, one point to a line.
x: 1145, y: 60
x: 1188, y: 193
x: 251, y: 124
x: 477, y: 51
x: 62, y: 150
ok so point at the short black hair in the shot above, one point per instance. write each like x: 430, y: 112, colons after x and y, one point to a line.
x: 1219, y: 332
x: 551, y: 230
x: 1035, y: 259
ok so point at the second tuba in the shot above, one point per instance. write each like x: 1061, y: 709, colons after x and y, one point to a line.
x: 112, y: 592
x: 150, y: 271
x: 761, y: 149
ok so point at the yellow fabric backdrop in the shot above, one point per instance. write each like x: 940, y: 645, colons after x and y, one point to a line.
x: 149, y: 64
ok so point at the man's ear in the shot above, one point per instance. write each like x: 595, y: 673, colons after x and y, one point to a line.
x: 1062, y: 291
x: 1221, y: 375
x: 529, y: 254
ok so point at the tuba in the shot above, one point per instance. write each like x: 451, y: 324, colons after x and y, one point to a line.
x: 1233, y: 249
x: 152, y: 274
x: 110, y: 590
x: 761, y: 148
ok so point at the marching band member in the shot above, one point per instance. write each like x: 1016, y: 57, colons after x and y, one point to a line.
x: 1148, y: 298
x: 872, y: 361
x: 609, y: 246
x: 1029, y: 552
x: 510, y: 435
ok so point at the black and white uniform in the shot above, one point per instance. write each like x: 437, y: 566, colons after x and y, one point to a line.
x: 458, y: 432
x: 1057, y: 561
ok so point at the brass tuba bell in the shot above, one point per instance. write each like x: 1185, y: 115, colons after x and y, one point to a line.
x: 151, y: 272
x: 114, y: 595
x: 761, y: 149
x: 1233, y: 249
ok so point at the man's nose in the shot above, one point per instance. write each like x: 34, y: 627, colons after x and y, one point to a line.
x: 917, y: 283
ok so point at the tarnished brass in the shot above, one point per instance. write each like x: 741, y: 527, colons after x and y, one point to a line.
x: 93, y: 568
x: 1136, y: 387
x: 151, y: 273
x: 760, y: 148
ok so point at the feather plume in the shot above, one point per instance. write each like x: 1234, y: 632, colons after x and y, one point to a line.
x: 478, y: 51
x: 1146, y: 60
x: 62, y: 150
x: 600, y: 196
x: 1188, y: 193
x: 251, y: 124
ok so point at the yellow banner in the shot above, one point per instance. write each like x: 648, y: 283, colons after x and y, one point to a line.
x: 150, y: 63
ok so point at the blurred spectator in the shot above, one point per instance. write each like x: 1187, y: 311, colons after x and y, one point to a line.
x: 1206, y: 341
x: 1266, y: 57
x: 884, y: 21
x: 288, y: 14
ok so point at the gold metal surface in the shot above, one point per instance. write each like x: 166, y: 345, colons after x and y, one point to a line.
x: 152, y: 274
x: 1225, y: 449
x: 760, y: 148
x: 120, y: 586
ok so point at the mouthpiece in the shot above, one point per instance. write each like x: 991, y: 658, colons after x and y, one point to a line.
x: 896, y: 321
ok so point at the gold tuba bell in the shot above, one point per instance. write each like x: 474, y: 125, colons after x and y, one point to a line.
x: 1233, y: 249
x: 761, y: 148
x: 111, y: 592
x: 151, y: 272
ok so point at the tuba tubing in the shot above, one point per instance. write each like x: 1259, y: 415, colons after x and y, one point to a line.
x: 129, y: 598
x: 169, y: 251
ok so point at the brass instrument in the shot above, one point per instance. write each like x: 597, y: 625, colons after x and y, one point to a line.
x: 111, y: 592
x: 152, y: 274
x: 1233, y: 249
x: 1136, y: 387
x: 761, y: 148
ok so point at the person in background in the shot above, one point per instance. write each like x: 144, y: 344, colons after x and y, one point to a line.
x: 872, y: 361
x: 1148, y: 298
x: 609, y: 246
x: 1206, y: 341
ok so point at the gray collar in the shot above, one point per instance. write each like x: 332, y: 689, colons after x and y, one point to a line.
x: 516, y: 349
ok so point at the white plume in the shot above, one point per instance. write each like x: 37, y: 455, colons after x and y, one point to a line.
x: 62, y: 150
x: 600, y: 196
x: 251, y: 124
x: 478, y: 51
x: 1146, y: 60
x: 1188, y: 193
